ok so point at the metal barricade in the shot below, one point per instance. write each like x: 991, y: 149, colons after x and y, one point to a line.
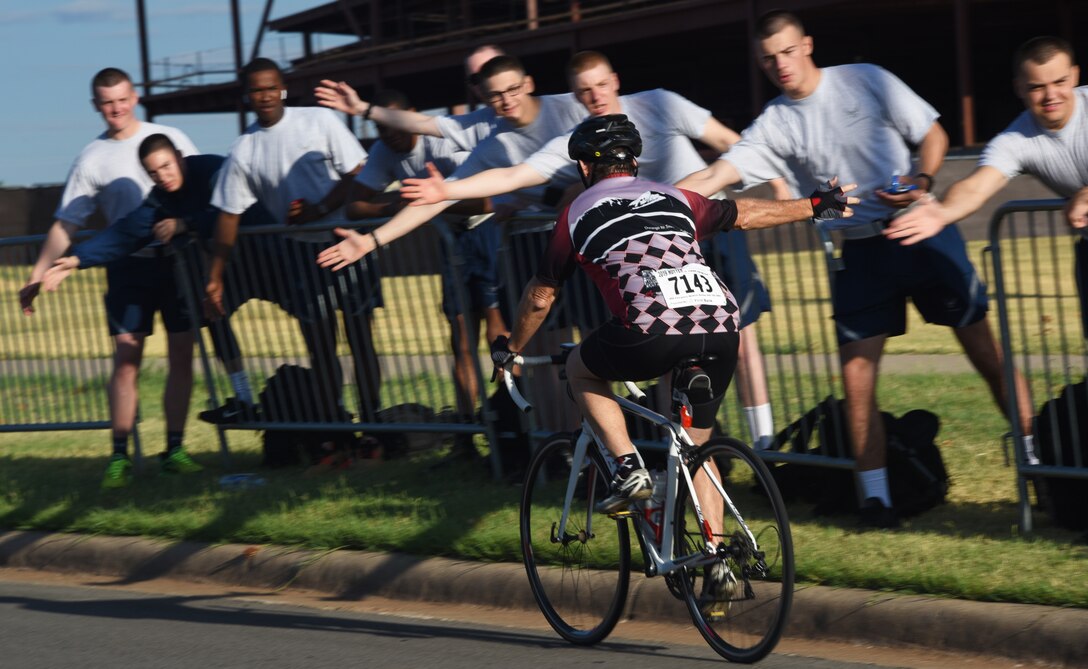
x: 372, y: 339
x: 797, y: 335
x: 1040, y: 315
x: 57, y: 363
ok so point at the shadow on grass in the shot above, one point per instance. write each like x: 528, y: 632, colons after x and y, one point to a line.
x: 403, y: 505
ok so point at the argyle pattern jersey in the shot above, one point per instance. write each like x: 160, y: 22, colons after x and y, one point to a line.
x: 628, y: 234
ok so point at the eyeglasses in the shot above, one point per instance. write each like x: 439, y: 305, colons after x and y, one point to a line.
x: 497, y: 96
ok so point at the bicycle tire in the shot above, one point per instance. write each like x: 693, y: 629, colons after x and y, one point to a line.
x: 580, y: 583
x: 745, y: 625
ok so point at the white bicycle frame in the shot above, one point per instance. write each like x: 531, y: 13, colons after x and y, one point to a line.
x: 661, y: 556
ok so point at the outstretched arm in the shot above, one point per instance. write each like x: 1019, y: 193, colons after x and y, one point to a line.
x: 57, y: 241
x: 824, y: 204
x: 340, y: 96
x: 712, y: 179
x: 964, y: 198
x: 356, y: 245
x: 435, y: 189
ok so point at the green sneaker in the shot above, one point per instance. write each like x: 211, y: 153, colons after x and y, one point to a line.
x: 178, y: 461
x: 118, y: 473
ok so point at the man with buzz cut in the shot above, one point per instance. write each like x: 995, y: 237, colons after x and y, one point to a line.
x: 107, y: 177
x: 859, y: 121
x: 1049, y: 140
x: 667, y: 122
x: 299, y: 163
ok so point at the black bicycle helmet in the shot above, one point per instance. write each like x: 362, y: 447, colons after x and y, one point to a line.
x: 602, y: 139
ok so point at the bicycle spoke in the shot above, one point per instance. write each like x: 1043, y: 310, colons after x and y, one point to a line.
x: 739, y: 602
x: 579, y: 575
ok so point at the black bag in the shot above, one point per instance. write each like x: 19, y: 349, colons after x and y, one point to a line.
x: 917, y: 477
x: 1065, y: 499
x: 291, y: 395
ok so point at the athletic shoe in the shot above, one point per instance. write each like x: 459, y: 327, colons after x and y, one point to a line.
x: 178, y: 461
x: 233, y: 410
x: 874, y: 515
x: 118, y: 472
x: 720, y: 588
x: 637, y: 486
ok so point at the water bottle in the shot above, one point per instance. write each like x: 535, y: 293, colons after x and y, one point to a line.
x: 654, y: 509
x: 239, y: 481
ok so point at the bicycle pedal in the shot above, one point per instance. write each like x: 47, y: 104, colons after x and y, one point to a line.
x: 626, y: 513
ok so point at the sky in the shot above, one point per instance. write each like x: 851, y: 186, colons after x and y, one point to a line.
x: 50, y: 49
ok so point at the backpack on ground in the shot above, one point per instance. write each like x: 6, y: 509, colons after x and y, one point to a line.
x: 1062, y: 428
x: 291, y: 395
x: 917, y: 477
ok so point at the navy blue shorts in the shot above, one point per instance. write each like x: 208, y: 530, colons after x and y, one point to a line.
x: 618, y: 353
x: 136, y: 289
x: 479, y: 273
x: 727, y: 254
x: 870, y: 292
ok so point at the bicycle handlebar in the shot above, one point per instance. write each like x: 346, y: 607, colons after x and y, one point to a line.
x: 525, y: 361
x: 535, y: 360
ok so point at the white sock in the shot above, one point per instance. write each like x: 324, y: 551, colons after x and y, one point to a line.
x: 1029, y: 449
x: 239, y: 382
x: 753, y: 423
x: 760, y: 425
x: 874, y: 483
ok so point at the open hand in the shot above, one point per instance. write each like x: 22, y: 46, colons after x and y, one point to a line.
x: 339, y: 96
x: 431, y: 190
x: 62, y: 268
x: 353, y: 247
x: 831, y: 200
x: 921, y: 221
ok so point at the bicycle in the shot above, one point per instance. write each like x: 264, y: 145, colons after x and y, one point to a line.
x: 578, y: 560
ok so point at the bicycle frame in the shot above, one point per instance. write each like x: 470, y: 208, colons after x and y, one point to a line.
x: 660, y: 557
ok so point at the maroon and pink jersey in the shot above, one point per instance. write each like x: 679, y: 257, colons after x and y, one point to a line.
x: 639, y: 242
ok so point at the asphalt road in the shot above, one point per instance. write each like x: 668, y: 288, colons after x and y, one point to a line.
x: 48, y: 620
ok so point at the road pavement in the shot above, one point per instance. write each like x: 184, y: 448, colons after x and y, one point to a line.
x: 1033, y: 633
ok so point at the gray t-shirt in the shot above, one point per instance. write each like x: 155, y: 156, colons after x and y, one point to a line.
x: 1059, y: 158
x: 107, y: 174
x: 859, y: 125
x: 510, y: 145
x: 301, y: 157
x: 467, y: 131
x: 385, y: 166
x: 665, y: 120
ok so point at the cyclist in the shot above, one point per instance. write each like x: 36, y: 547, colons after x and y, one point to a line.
x: 638, y: 241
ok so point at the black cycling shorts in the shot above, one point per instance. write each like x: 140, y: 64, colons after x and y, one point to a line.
x: 616, y: 353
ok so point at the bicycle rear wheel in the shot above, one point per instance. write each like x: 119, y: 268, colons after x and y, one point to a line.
x: 743, y: 617
x: 579, y: 579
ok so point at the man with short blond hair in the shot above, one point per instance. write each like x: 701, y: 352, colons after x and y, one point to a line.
x: 107, y: 177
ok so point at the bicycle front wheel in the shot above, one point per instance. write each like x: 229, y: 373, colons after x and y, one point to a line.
x: 739, y: 602
x: 580, y: 574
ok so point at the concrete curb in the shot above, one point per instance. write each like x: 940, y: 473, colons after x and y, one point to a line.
x: 1037, y: 633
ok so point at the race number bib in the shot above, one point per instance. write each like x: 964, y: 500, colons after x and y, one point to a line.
x: 689, y: 286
